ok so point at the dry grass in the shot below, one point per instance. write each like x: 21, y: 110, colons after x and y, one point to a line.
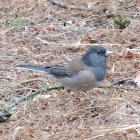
x: 98, y: 114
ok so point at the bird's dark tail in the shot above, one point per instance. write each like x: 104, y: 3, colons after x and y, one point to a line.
x: 32, y: 68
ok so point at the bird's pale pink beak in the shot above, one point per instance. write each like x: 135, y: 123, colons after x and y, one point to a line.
x: 108, y: 53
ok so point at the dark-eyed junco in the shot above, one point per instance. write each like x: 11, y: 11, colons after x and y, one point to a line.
x: 79, y: 74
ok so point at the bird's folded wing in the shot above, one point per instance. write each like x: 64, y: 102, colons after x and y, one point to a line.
x: 66, y: 69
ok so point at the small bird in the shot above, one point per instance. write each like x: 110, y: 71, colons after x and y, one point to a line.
x: 79, y: 74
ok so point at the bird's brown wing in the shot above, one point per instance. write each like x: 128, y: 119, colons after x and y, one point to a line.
x: 66, y: 69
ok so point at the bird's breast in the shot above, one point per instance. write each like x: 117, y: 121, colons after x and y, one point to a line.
x: 83, y: 81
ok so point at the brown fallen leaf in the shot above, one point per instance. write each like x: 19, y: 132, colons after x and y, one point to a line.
x: 50, y: 28
x: 36, y: 28
x: 126, y: 53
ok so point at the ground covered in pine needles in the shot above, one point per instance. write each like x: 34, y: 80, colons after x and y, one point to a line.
x: 45, y: 32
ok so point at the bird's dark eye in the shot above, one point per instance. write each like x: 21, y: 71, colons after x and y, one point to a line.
x: 98, y: 52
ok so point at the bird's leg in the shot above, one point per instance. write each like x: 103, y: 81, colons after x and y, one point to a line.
x: 71, y: 102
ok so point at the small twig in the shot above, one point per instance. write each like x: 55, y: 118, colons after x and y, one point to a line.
x: 30, y: 97
x: 34, y: 93
x: 88, y: 44
x: 123, y: 84
x: 72, y: 7
x: 119, y: 87
x: 45, y: 42
x: 127, y: 81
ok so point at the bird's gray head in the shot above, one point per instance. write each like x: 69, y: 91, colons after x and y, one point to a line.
x: 95, y: 56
